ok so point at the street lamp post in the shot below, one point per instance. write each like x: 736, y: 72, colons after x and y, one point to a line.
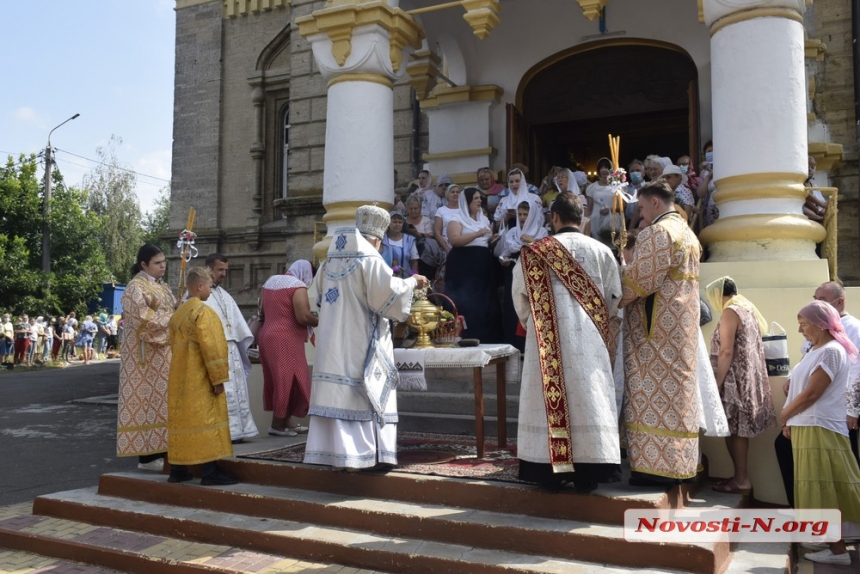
x: 46, y: 227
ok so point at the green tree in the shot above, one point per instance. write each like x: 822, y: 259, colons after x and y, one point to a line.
x: 156, y: 223
x: 77, y: 262
x: 111, y: 196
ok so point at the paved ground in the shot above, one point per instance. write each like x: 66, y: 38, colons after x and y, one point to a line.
x: 49, y: 443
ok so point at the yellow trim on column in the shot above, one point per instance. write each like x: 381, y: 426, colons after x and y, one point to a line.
x: 459, y: 94
x: 760, y: 185
x: 701, y: 4
x: 361, y: 77
x: 826, y: 154
x: 753, y: 13
x: 341, y: 211
x: 460, y: 153
x: 759, y: 227
x: 338, y: 21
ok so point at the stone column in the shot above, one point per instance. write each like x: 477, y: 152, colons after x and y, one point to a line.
x: 360, y: 48
x: 760, y: 131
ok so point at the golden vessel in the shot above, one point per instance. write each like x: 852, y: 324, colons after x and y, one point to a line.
x: 423, y: 318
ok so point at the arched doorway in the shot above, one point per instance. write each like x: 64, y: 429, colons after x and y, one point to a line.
x: 644, y: 91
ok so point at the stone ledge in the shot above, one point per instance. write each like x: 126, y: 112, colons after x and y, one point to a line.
x: 300, y: 205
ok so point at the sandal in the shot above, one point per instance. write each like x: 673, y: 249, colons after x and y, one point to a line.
x: 731, y: 487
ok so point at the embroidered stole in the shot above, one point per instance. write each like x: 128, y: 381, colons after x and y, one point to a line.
x: 537, y: 261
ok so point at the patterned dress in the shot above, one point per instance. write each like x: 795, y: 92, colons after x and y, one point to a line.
x: 661, y: 295
x: 746, y: 391
x: 286, y: 377
x: 147, y: 306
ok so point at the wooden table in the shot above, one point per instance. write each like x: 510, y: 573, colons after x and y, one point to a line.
x: 477, y: 358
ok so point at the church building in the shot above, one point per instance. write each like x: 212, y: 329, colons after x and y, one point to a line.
x: 291, y: 113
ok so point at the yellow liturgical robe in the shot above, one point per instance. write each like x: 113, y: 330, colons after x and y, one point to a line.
x: 199, y: 429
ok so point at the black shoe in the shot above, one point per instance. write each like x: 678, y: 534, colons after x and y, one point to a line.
x: 584, y: 486
x: 641, y: 479
x: 219, y: 477
x: 182, y: 476
x: 237, y: 441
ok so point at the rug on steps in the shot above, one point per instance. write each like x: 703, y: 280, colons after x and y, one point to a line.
x: 434, y: 454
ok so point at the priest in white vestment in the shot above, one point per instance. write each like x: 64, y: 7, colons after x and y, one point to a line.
x: 568, y: 417
x: 239, y: 339
x: 353, y: 417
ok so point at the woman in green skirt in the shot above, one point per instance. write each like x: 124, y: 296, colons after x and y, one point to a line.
x: 814, y: 418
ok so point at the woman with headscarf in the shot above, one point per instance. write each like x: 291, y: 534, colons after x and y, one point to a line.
x: 470, y: 270
x: 506, y: 212
x: 558, y: 180
x: 737, y: 357
x: 287, y: 320
x: 528, y: 229
x: 147, y: 306
x: 825, y: 472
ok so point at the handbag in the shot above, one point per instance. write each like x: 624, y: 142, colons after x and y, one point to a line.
x: 380, y: 374
x: 775, y: 344
x: 255, y: 323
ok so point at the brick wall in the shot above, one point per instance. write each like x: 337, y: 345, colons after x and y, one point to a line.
x: 834, y: 105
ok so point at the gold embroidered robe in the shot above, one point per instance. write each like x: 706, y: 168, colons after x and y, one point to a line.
x: 661, y: 295
x: 147, y: 306
x: 197, y: 417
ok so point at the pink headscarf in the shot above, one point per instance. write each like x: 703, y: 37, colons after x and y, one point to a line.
x: 824, y: 316
x: 302, y: 270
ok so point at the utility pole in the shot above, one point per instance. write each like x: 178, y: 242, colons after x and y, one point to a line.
x: 46, y: 209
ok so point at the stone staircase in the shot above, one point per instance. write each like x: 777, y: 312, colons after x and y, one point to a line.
x: 295, y: 518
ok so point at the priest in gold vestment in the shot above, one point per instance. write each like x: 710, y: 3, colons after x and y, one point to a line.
x: 661, y: 294
x: 198, y: 424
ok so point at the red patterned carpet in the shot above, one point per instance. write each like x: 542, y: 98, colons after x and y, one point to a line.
x: 434, y: 454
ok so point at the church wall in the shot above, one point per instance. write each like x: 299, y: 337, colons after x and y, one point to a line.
x: 834, y: 105
x: 525, y: 36
x: 196, y: 116
x: 243, y: 39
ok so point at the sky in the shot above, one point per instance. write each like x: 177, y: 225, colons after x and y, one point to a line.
x: 112, y: 62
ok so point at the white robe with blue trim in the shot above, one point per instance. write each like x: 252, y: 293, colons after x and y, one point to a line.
x: 351, y: 288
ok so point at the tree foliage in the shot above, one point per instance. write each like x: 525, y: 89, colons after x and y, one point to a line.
x: 78, y: 265
x: 111, y: 197
x: 156, y: 223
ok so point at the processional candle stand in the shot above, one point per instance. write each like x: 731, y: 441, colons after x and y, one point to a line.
x: 617, y: 177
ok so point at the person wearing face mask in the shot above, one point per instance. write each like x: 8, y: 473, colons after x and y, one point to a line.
x: 635, y: 182
x: 687, y: 168
x: 706, y: 189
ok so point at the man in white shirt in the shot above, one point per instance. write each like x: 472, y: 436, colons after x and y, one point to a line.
x: 239, y: 338
x: 7, y: 340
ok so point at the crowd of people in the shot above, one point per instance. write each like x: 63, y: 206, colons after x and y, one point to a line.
x: 33, y: 341
x: 613, y: 352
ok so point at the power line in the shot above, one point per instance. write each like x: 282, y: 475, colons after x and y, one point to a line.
x: 115, y: 166
x: 139, y: 181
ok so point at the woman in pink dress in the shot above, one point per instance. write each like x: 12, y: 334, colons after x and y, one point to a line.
x: 287, y: 321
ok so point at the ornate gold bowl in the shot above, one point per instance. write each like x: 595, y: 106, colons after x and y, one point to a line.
x: 423, y: 318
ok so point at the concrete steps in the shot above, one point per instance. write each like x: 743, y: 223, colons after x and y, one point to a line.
x: 389, y: 523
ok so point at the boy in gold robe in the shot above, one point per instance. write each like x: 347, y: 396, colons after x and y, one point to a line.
x: 198, y: 425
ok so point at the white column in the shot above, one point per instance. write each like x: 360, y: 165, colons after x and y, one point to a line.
x: 760, y: 142
x: 360, y: 48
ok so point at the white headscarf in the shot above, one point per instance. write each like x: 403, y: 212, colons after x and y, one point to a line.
x: 572, y: 184
x: 302, y: 271
x: 533, y: 226
x: 522, y: 193
x: 464, y: 218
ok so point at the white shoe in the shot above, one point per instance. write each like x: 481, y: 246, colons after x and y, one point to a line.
x: 828, y: 557
x: 156, y: 465
x: 288, y: 432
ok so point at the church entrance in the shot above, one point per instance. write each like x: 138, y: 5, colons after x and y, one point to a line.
x: 644, y: 91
